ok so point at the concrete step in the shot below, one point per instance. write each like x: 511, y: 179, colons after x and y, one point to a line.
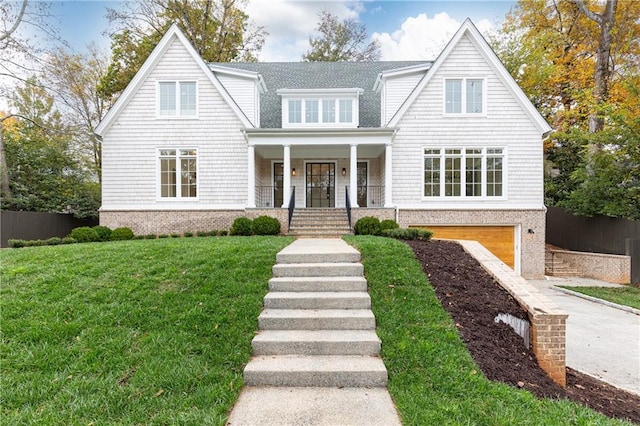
x: 317, y: 300
x: 320, y: 319
x: 319, y: 224
x: 318, y: 284
x: 325, y: 250
x: 342, y: 269
x: 316, y: 342
x: 316, y: 370
x: 306, y: 234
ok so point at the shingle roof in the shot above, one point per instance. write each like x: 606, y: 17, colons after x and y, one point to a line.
x: 318, y: 75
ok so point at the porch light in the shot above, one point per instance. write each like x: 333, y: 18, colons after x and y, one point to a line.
x: 344, y: 171
x: 293, y: 171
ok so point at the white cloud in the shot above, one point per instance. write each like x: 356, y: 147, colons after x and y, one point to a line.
x: 290, y: 23
x: 421, y: 37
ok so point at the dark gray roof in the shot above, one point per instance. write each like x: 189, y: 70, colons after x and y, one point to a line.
x: 319, y: 75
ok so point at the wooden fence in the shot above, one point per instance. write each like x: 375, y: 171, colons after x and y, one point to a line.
x: 37, y: 226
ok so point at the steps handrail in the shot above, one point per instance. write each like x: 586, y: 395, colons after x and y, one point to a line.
x: 347, y: 203
x: 292, y: 206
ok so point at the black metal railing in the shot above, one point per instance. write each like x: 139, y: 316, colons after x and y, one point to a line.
x: 264, y: 197
x: 549, y: 261
x: 370, y: 196
x: 292, y: 206
x: 347, y: 203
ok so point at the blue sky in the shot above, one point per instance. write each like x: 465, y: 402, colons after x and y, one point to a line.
x: 405, y: 29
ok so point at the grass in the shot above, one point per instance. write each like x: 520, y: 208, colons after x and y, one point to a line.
x: 628, y: 296
x: 137, y: 332
x: 158, y: 331
x: 432, y: 377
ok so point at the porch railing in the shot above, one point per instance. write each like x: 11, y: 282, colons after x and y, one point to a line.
x: 374, y: 194
x: 292, y: 206
x: 264, y: 196
x: 347, y: 203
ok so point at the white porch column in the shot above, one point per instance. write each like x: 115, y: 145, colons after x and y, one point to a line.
x: 286, y: 185
x: 388, y: 176
x: 353, y: 176
x: 251, y: 173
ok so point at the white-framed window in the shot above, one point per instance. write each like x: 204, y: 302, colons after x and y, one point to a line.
x: 318, y: 108
x: 328, y: 110
x: 177, y: 99
x: 464, y: 96
x: 463, y: 172
x: 295, y: 111
x: 178, y: 169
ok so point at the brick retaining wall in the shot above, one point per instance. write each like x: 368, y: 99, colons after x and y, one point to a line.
x: 606, y: 267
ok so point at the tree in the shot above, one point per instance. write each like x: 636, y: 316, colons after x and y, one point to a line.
x: 341, y: 41
x: 219, y: 30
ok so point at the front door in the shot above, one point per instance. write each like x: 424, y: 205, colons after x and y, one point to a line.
x: 362, y: 183
x: 278, y: 184
x: 321, y: 184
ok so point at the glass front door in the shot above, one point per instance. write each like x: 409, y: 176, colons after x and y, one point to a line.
x: 321, y: 184
x: 362, y: 183
x: 278, y: 184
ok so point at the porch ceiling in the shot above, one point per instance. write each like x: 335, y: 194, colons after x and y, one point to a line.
x: 319, y: 151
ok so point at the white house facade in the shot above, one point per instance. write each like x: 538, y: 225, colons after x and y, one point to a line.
x: 452, y: 144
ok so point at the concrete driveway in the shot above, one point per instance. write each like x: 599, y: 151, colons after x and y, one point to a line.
x: 602, y: 341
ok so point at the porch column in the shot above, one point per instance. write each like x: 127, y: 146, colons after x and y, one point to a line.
x: 286, y: 184
x: 251, y: 173
x: 388, y: 176
x: 353, y: 176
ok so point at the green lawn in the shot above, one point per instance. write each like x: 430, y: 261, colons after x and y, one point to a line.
x: 629, y: 296
x: 158, y: 332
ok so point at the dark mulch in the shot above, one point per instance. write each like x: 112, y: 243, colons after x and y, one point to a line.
x: 473, y: 299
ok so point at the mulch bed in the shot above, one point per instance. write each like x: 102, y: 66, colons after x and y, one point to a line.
x: 473, y: 299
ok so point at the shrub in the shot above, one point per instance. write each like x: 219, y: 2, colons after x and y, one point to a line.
x: 408, y: 234
x: 69, y: 240
x: 35, y: 243
x: 138, y: 237
x: 175, y: 235
x: 266, y: 225
x: 15, y: 243
x: 242, y: 226
x: 202, y: 234
x: 150, y: 237
x: 84, y: 234
x: 121, y: 234
x: 188, y: 234
x: 163, y: 236
x: 223, y: 233
x: 388, y: 224
x: 367, y: 225
x: 53, y: 241
x: 104, y: 233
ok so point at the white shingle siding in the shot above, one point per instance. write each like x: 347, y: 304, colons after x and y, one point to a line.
x: 395, y: 92
x: 505, y: 125
x: 130, y: 146
x: 244, y: 93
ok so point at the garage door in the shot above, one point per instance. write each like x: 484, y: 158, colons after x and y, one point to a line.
x: 499, y: 240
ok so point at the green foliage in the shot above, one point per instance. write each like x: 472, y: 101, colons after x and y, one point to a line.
x: 121, y: 234
x: 150, y: 237
x: 202, y: 234
x: 223, y: 233
x: 389, y: 224
x: 16, y: 243
x: 408, y: 234
x: 266, y: 225
x: 53, y: 241
x: 69, y: 240
x: 341, y: 41
x: 367, y: 225
x: 104, y: 232
x: 242, y: 226
x: 84, y: 234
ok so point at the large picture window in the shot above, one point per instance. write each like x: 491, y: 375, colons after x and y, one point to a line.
x: 178, y: 173
x: 463, y: 172
x: 177, y: 99
x: 464, y: 95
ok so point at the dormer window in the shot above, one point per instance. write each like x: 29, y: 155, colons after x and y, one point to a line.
x: 320, y: 107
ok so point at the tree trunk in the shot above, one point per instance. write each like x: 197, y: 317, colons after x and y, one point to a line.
x: 5, y: 188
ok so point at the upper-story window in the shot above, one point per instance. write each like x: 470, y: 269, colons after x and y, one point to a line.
x: 464, y: 96
x: 177, y: 99
x: 320, y: 107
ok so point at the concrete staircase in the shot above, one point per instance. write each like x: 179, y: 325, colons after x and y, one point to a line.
x: 554, y: 266
x: 317, y: 328
x: 319, y: 223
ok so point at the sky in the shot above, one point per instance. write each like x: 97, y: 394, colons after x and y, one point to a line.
x: 406, y: 30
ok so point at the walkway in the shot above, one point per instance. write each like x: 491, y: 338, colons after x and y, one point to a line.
x: 316, y: 358
x: 602, y: 341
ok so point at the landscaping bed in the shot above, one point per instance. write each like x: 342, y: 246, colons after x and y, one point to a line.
x: 474, y: 299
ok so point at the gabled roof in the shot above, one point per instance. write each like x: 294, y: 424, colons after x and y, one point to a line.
x: 469, y: 29
x: 320, y: 75
x: 148, y: 66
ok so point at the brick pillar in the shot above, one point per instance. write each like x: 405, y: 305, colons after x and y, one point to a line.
x: 548, y: 343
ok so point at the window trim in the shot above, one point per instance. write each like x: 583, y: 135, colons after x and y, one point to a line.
x: 178, y: 196
x: 463, y: 100
x: 463, y: 168
x: 177, y: 115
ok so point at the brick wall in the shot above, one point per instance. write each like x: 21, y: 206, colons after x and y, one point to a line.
x: 606, y: 267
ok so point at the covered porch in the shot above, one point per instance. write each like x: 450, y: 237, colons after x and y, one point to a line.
x: 319, y: 168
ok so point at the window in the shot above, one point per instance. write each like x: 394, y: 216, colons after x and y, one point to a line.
x: 346, y: 110
x: 464, y: 96
x: 328, y: 110
x: 311, y: 111
x: 481, y: 176
x: 177, y: 99
x: 295, y: 111
x: 178, y: 168
x: 317, y: 108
